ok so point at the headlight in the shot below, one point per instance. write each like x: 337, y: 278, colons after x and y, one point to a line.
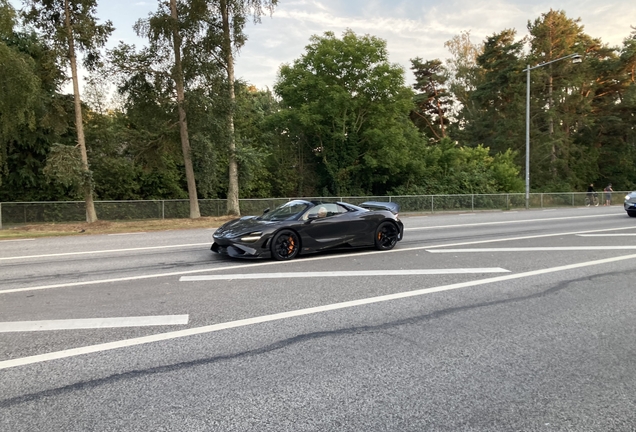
x: 627, y: 197
x: 252, y: 237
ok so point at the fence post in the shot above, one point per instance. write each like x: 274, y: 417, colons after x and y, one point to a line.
x: 432, y: 206
x: 541, y: 199
x: 0, y: 215
x: 163, y: 209
x: 472, y: 202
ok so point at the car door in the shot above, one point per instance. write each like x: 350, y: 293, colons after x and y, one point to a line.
x: 334, y: 229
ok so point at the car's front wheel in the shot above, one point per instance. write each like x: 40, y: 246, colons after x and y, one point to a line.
x: 386, y: 236
x: 285, y: 246
x: 631, y: 213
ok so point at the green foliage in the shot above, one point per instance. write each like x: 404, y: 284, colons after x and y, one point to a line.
x: 452, y: 169
x: 347, y: 105
x: 18, y: 95
x: 32, y: 115
x: 343, y: 123
x: 64, y: 166
x: 7, y: 18
x: 87, y: 35
x: 433, y: 102
x: 494, y: 114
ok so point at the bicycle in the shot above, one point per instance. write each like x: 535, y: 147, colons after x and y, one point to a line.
x: 591, y: 201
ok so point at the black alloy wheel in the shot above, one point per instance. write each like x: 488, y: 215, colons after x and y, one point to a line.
x: 386, y: 236
x: 285, y: 246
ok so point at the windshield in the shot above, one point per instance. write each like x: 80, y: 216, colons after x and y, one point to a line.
x: 287, y: 211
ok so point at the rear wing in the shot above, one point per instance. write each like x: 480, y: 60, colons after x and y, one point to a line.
x: 379, y: 205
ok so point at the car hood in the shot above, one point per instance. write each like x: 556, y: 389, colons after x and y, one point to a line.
x: 244, y: 225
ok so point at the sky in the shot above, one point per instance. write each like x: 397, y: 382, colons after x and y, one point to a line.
x: 411, y: 28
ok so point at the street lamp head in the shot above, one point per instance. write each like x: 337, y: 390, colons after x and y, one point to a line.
x: 577, y: 58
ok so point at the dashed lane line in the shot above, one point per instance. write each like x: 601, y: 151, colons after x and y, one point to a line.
x: 105, y: 251
x: 92, y: 323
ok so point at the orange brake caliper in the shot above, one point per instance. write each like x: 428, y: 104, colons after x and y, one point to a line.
x: 291, y: 245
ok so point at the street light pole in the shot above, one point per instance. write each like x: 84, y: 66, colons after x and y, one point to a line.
x: 576, y: 58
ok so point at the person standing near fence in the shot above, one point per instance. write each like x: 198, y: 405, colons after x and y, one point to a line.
x: 608, y: 194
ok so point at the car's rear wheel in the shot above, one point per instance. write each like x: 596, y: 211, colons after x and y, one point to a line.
x: 285, y: 246
x: 386, y: 236
x: 631, y: 213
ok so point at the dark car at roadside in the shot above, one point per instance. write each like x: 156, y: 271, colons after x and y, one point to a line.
x: 301, y: 227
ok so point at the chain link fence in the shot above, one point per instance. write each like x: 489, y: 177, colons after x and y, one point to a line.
x: 17, y: 213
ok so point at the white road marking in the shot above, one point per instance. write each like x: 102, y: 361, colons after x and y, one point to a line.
x: 106, y: 251
x: 507, y: 239
x: 508, y: 222
x: 92, y: 323
x: 290, y: 314
x: 342, y: 274
x: 132, y: 278
x: 304, y: 260
x: 536, y: 249
x: 607, y: 235
x: 15, y: 240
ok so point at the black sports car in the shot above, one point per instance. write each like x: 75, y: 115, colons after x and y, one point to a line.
x: 303, y: 227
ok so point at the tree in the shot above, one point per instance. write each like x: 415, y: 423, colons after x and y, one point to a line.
x: 463, y: 73
x: 552, y: 36
x: 606, y: 136
x: 233, y: 15
x: 464, y: 76
x: 494, y: 114
x: 176, y: 26
x: 18, y: 97
x: 433, y: 100
x: 348, y: 107
x: 72, y: 26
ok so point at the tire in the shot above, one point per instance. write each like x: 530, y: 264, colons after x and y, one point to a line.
x: 386, y: 236
x: 285, y: 245
x: 631, y: 213
x: 595, y: 202
x: 587, y: 202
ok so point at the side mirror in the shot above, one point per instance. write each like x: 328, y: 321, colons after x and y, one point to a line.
x: 312, y: 216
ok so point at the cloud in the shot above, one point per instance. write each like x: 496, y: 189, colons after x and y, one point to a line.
x: 412, y: 28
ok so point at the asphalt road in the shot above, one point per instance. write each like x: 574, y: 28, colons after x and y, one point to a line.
x: 498, y: 321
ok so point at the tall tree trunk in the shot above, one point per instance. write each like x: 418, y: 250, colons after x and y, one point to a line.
x: 183, y: 123
x: 91, y: 215
x: 233, y: 187
x: 440, y: 112
x: 553, y: 151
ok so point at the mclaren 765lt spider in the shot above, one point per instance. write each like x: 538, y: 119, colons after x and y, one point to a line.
x: 301, y: 227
